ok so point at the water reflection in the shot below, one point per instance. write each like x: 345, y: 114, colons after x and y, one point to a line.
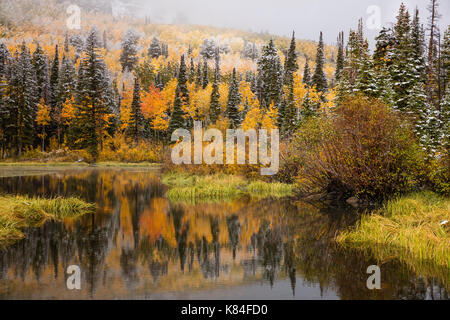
x: 139, y: 245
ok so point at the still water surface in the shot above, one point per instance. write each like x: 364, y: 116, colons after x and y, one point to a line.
x: 139, y: 245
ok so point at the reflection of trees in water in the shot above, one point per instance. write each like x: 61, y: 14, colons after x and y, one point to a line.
x: 288, y: 241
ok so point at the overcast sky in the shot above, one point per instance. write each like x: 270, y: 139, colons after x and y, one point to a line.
x: 306, y: 17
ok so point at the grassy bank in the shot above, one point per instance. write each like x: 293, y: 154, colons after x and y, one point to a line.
x: 17, y: 212
x: 410, y: 229
x: 220, y: 187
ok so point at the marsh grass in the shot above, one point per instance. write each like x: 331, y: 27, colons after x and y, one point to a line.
x: 212, y: 188
x: 17, y: 212
x: 409, y: 229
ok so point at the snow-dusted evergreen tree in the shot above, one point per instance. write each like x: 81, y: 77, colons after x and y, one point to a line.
x: 40, y: 63
x: 192, y: 71
x: 24, y: 99
x: 270, y: 76
x: 92, y: 89
x: 402, y: 69
x: 214, y: 108
x: 445, y: 56
x: 4, y: 58
x: 290, y: 66
x: 67, y: 83
x: 205, y: 74
x: 54, y: 74
x: 309, y: 108
x: 128, y: 56
x: 136, y: 123
x: 340, y: 57
x: 365, y: 82
x: 154, y: 50
x: 234, y: 99
x: 307, y: 74
x: 208, y: 49
x: 250, y: 51
x: 177, y: 119
x: 319, y: 79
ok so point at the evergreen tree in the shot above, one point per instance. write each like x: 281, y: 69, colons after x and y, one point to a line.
x: 234, y: 99
x: 105, y: 40
x: 289, y: 117
x: 366, y: 79
x: 319, y: 78
x: 4, y: 57
x: 291, y: 65
x: 136, y: 122
x: 128, y: 56
x: 93, y: 105
x: 154, y: 49
x: 445, y: 55
x: 54, y: 74
x: 177, y: 119
x: 307, y: 74
x: 24, y: 103
x: 340, y: 57
x: 66, y: 43
x: 270, y: 80
x: 309, y: 109
x: 192, y: 71
x: 214, y: 109
x: 205, y: 74
x: 40, y: 63
x: 199, y: 76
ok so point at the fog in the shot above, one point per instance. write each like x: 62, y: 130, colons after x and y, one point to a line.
x: 306, y: 17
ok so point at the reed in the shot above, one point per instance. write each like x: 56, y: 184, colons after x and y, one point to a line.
x: 408, y: 228
x: 17, y: 212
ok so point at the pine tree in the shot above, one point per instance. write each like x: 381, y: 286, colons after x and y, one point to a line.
x: 136, y: 122
x: 92, y: 89
x: 192, y: 71
x: 445, y: 56
x: 154, y: 50
x: 307, y: 74
x: 319, y: 78
x: 309, y: 109
x: 128, y: 56
x: 199, y: 76
x: 23, y: 81
x: 289, y: 117
x: 214, y: 109
x: 291, y: 65
x: 402, y: 69
x: 4, y: 57
x: 234, y: 99
x: 340, y: 57
x: 40, y: 63
x: 177, y: 120
x: 66, y: 43
x: 205, y: 74
x: 270, y: 80
x: 366, y: 79
x: 54, y: 74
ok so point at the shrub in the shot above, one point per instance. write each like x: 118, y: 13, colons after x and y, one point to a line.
x: 363, y: 148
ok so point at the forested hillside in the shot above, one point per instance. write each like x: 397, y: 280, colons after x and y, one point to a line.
x: 123, y: 82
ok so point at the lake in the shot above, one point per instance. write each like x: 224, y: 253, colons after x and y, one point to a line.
x: 139, y: 245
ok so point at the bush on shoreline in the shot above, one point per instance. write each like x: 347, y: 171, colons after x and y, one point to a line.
x: 362, y: 149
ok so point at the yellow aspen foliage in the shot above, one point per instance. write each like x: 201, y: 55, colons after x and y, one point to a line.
x: 253, y: 119
x: 269, y: 120
x: 43, y: 114
x: 68, y: 111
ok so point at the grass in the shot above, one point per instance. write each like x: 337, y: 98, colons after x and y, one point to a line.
x: 410, y: 229
x: 17, y: 212
x: 219, y: 187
